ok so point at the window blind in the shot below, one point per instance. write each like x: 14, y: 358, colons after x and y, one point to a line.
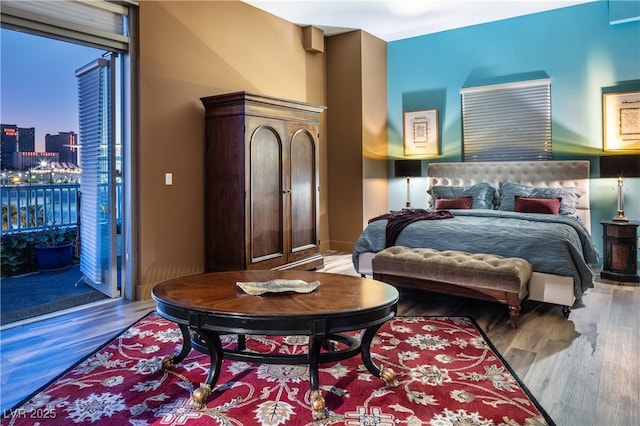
x: 94, y: 108
x: 507, y: 122
x: 100, y: 23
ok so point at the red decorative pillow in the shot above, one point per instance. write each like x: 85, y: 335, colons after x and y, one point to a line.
x: 454, y: 203
x: 537, y: 205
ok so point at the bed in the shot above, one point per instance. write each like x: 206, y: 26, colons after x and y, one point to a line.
x: 559, y: 246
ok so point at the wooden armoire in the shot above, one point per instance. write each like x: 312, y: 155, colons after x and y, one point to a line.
x: 261, y: 183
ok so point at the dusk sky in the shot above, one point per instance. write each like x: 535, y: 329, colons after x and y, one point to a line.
x: 38, y: 84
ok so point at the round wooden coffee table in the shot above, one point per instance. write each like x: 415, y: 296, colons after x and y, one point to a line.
x: 208, y: 305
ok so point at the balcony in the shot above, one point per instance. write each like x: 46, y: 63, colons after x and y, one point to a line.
x: 25, y: 291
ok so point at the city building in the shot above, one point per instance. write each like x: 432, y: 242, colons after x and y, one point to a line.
x: 64, y: 143
x: 26, y: 139
x: 9, y: 144
x: 30, y: 159
x: 18, y: 149
x: 16, y: 142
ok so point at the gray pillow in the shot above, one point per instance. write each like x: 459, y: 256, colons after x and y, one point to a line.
x: 569, y: 196
x: 482, y: 194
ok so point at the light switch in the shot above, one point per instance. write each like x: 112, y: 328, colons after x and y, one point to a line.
x: 168, y: 178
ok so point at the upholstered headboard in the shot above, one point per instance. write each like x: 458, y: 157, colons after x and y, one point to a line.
x: 553, y: 174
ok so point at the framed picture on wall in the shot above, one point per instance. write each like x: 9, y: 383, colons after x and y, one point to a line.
x: 421, y: 132
x: 621, y: 121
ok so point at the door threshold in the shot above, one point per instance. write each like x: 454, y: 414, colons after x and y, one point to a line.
x: 59, y: 313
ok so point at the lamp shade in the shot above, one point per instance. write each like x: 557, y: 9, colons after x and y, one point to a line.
x: 614, y: 166
x: 408, y: 168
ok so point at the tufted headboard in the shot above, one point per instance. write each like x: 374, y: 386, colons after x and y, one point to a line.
x: 551, y: 174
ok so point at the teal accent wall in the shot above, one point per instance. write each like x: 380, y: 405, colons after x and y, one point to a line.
x: 624, y: 10
x: 575, y: 46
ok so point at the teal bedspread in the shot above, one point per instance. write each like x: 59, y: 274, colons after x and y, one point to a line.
x: 553, y: 244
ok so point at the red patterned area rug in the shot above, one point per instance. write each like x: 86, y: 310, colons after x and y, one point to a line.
x: 448, y: 373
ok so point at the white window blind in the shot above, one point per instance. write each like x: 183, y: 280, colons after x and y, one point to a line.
x: 507, y: 122
x: 100, y: 23
x: 96, y: 132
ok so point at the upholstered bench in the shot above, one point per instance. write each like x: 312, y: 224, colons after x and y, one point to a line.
x: 477, y: 275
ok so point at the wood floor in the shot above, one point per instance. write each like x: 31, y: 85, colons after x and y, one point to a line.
x: 583, y: 371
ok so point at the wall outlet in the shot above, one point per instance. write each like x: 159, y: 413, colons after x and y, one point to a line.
x: 168, y: 178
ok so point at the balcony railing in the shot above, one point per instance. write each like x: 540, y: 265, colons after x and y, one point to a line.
x: 30, y: 207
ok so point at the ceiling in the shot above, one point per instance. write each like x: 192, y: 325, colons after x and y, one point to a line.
x: 392, y: 20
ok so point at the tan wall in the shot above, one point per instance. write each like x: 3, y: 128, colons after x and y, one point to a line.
x: 344, y: 118
x: 357, y: 129
x: 189, y: 50
x: 374, y: 128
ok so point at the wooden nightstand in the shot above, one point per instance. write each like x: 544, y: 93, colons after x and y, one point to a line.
x: 620, y: 246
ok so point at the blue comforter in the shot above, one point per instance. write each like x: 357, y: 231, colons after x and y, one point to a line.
x: 553, y: 244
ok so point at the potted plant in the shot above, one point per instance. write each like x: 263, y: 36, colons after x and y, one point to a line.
x: 53, y: 249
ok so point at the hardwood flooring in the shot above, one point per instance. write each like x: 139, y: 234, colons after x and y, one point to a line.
x: 32, y: 355
x: 583, y: 371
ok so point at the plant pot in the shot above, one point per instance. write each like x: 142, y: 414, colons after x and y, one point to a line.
x: 54, y: 258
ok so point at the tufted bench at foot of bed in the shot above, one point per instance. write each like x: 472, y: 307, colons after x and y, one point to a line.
x: 476, y: 275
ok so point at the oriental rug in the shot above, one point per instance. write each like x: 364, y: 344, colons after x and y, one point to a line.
x: 448, y: 373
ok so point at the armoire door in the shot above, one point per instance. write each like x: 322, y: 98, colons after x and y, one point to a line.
x: 304, y: 191
x: 266, y: 233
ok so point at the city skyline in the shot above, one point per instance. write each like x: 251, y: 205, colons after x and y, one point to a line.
x: 39, y: 87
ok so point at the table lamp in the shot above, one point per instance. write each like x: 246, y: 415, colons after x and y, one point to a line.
x: 408, y: 169
x: 620, y: 166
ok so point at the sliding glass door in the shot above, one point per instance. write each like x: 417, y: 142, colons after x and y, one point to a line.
x: 105, y: 122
